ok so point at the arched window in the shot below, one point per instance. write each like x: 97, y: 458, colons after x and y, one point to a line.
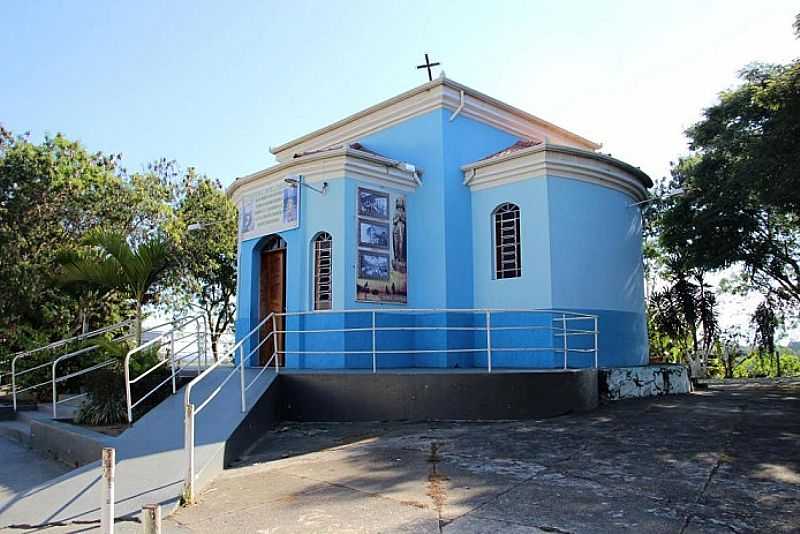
x: 323, y: 284
x: 507, y: 253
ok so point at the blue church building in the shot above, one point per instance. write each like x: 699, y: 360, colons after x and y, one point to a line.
x: 441, y: 228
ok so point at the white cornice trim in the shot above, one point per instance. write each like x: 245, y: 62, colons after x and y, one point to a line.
x: 331, y: 164
x: 440, y: 93
x: 550, y: 160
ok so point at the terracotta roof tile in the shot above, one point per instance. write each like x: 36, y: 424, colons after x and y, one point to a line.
x: 519, y: 145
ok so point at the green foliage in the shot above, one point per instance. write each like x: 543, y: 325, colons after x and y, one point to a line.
x: 742, y: 206
x: 206, y: 275
x: 52, y: 195
x: 682, y: 320
x: 756, y: 365
x: 112, y: 264
x: 105, y: 403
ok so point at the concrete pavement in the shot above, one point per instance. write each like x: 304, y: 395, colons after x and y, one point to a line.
x: 22, y: 469
x: 717, y: 461
x: 722, y: 460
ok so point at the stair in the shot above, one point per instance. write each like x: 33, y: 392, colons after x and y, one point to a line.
x: 150, y: 459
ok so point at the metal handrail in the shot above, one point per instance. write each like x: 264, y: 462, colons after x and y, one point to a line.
x: 559, y: 330
x: 60, y: 343
x: 52, y: 363
x: 191, y: 411
x: 200, y: 334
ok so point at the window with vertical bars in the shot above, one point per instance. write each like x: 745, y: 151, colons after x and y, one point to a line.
x: 323, y: 287
x: 507, y: 254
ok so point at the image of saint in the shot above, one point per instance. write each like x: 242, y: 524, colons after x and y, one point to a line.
x: 399, y: 233
x: 290, y: 205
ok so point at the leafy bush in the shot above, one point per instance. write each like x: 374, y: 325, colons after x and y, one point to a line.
x: 105, y: 388
x: 754, y: 366
x: 105, y: 404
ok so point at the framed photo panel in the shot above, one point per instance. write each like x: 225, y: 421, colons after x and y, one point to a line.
x: 373, y: 266
x: 373, y: 234
x: 373, y: 204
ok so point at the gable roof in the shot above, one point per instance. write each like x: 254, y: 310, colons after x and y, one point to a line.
x: 439, y: 93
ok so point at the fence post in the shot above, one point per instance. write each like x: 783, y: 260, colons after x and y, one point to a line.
x: 151, y: 519
x: 489, y: 341
x: 241, y: 376
x: 128, y: 397
x: 564, y: 332
x: 374, y: 355
x: 275, y: 343
x: 595, y: 341
x: 172, y: 358
x: 55, y: 404
x: 188, y: 438
x: 107, y: 502
x: 14, y: 383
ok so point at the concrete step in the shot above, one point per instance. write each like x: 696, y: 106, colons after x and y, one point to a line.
x: 7, y: 413
x: 18, y: 431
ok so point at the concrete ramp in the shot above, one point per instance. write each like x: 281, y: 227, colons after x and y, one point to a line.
x: 150, y: 458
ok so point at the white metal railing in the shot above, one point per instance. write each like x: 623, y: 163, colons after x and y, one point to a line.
x: 10, y: 361
x: 186, y: 345
x: 557, y: 323
x: 53, y: 362
x: 191, y: 411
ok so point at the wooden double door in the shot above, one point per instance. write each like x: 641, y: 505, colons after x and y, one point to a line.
x: 272, y: 300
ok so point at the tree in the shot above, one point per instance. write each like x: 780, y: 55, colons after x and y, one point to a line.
x: 766, y: 323
x: 50, y: 195
x: 742, y: 206
x: 111, y: 263
x: 729, y: 352
x: 206, y: 273
x: 682, y: 320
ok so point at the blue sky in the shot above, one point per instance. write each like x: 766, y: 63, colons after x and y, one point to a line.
x: 214, y: 84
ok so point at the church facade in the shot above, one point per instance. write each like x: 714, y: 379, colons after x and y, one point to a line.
x: 441, y: 198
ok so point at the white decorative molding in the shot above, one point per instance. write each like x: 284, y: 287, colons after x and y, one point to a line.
x: 557, y: 160
x: 440, y: 93
x: 329, y: 165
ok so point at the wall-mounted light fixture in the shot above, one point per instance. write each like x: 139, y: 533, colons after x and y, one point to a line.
x: 295, y: 181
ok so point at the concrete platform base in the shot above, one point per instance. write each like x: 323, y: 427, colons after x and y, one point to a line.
x: 421, y: 394
x: 644, y: 381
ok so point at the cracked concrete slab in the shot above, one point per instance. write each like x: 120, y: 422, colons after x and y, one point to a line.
x: 726, y: 459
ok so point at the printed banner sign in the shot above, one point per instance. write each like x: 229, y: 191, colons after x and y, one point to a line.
x: 382, y: 269
x: 270, y: 209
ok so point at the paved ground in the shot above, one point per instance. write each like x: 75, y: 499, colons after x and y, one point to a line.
x: 720, y: 461
x: 22, y: 469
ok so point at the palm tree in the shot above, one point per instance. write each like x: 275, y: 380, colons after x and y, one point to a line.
x: 113, y: 264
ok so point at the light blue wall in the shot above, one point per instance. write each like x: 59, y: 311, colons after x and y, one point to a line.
x: 581, y: 251
x: 596, y: 255
x: 595, y: 248
x: 532, y: 289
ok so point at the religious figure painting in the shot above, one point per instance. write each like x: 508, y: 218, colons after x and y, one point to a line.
x: 290, y: 205
x: 373, y: 234
x: 373, y: 204
x: 399, y: 245
x: 247, y: 215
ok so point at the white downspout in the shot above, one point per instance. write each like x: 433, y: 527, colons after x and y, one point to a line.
x: 459, y: 108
